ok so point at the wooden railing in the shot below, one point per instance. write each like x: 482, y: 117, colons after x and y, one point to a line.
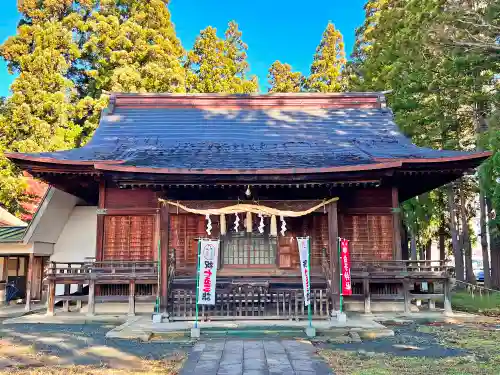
x: 95, y: 273
x: 416, y: 267
x: 391, y: 280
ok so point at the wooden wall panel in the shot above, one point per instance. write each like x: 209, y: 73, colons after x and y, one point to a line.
x: 185, y: 229
x: 315, y: 226
x: 129, y: 237
x: 366, y: 220
x: 130, y: 198
x: 370, y: 236
x: 366, y: 201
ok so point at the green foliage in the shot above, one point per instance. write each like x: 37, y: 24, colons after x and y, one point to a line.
x: 132, y: 47
x: 328, y: 63
x: 69, y: 53
x: 440, y: 93
x: 219, y: 65
x: 40, y: 114
x: 283, y: 79
x: 485, y: 303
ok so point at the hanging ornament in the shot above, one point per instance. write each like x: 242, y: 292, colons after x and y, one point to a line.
x: 222, y: 224
x: 261, y: 225
x: 248, y: 222
x: 209, y: 224
x: 274, y: 226
x: 236, y: 223
x: 283, y: 225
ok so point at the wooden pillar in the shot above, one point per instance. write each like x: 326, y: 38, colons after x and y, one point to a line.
x: 131, y: 298
x: 51, y: 298
x: 79, y: 291
x: 29, y: 281
x: 366, y: 293
x: 164, y: 255
x: 432, y: 303
x: 100, y: 220
x: 447, y: 296
x: 91, y: 306
x: 333, y: 234
x: 4, y: 277
x: 67, y: 291
x: 406, y: 292
x: 396, y: 225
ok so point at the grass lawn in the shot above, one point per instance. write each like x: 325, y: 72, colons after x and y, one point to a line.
x: 485, y: 304
x: 165, y: 367
x: 481, y: 342
x: 148, y: 367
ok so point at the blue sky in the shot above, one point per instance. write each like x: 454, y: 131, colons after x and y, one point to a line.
x: 285, y: 30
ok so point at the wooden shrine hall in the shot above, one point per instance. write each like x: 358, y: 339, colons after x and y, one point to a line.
x: 160, y: 169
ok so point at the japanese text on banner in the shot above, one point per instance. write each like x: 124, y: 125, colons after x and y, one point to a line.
x: 304, y: 268
x: 345, y: 264
x: 209, y: 252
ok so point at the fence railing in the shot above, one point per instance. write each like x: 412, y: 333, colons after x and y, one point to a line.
x: 476, y: 290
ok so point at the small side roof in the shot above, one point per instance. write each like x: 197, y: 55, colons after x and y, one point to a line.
x: 12, y: 234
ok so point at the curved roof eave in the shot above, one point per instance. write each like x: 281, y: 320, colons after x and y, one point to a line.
x: 118, y: 165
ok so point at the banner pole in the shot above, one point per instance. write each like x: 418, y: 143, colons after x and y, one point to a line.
x: 309, y: 314
x: 197, y: 284
x: 340, y: 273
x: 158, y: 269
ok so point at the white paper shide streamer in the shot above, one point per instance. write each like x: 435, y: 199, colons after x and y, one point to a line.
x: 209, y: 225
x: 283, y: 225
x: 236, y: 223
x: 261, y: 225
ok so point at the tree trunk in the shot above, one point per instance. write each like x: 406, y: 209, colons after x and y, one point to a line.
x: 428, y: 250
x: 442, y: 240
x: 495, y: 250
x: 484, y: 239
x: 481, y: 127
x: 457, y: 253
x: 466, y: 245
x: 405, y: 250
x: 413, y: 247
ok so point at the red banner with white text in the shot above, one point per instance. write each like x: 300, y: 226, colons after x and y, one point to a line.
x: 345, y: 267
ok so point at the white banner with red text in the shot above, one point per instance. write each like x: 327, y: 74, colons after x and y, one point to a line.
x: 209, y: 253
x: 303, y: 243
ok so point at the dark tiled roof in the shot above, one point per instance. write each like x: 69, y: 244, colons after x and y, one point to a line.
x: 12, y: 234
x: 247, y: 138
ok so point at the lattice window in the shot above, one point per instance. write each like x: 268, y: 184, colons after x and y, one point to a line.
x: 249, y: 249
x: 128, y: 237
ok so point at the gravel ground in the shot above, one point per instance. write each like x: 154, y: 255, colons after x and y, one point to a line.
x: 84, y: 344
x: 407, y: 342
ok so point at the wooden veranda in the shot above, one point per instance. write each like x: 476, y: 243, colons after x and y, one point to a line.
x: 247, y: 298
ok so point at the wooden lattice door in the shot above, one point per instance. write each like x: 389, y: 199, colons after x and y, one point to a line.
x: 129, y: 237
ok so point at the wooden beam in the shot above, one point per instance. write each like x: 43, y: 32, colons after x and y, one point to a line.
x: 164, y: 256
x: 396, y: 225
x: 29, y: 281
x: 333, y: 234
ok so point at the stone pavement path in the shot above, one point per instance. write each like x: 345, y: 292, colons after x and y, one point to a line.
x: 254, y: 357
